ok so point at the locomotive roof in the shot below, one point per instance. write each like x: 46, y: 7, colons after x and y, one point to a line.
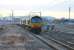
x: 36, y: 17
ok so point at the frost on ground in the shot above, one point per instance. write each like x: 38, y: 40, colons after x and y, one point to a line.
x: 12, y: 39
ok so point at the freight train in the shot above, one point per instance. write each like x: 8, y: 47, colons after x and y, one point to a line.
x: 37, y: 24
x: 34, y: 24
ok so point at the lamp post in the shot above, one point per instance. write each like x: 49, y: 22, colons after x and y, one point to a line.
x: 69, y: 12
x: 11, y: 16
x: 69, y: 9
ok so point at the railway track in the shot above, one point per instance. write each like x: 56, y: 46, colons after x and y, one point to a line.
x: 57, y: 45
x: 63, y: 40
x: 53, y: 43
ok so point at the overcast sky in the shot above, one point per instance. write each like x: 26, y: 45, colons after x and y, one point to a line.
x: 56, y: 8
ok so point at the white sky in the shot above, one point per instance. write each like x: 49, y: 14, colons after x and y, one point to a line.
x: 23, y: 7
